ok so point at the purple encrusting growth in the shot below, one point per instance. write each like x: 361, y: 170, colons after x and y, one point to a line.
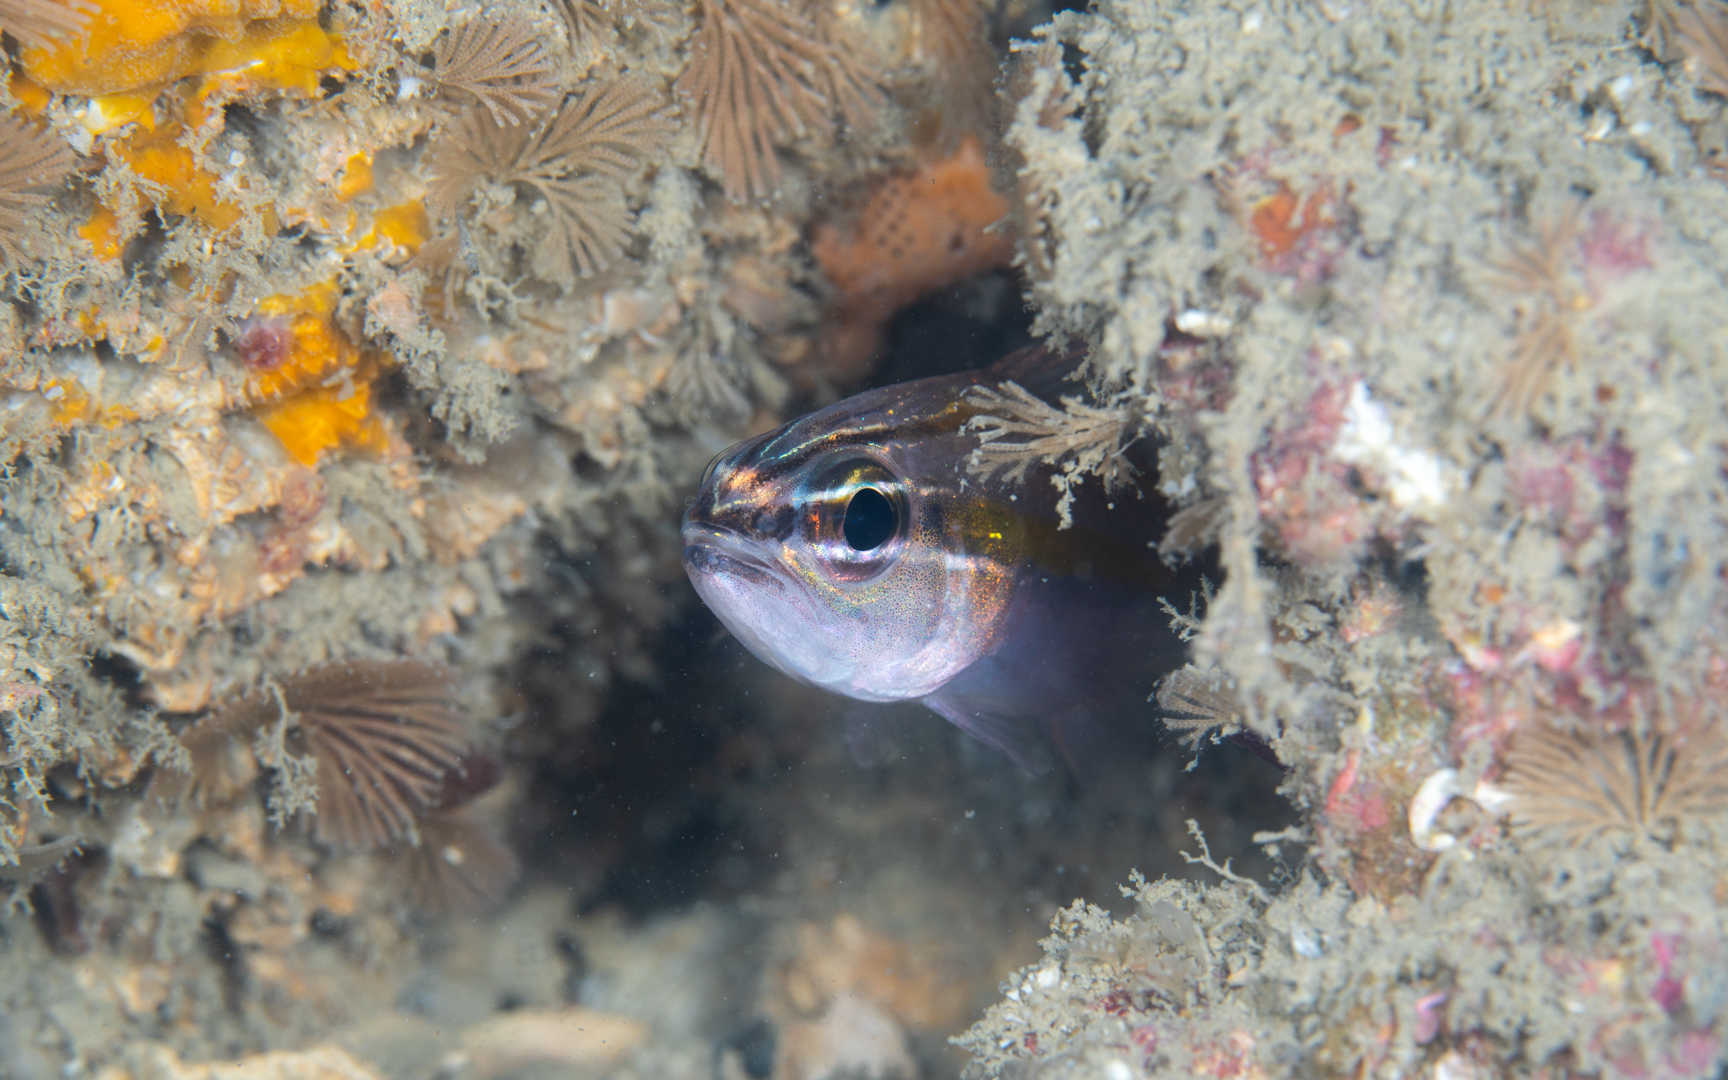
x: 264, y: 343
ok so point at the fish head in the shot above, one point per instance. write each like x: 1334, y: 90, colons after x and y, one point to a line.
x: 842, y: 556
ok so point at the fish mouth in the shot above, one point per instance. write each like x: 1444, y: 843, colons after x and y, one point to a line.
x: 711, y: 550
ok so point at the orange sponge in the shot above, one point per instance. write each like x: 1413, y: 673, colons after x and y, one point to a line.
x: 325, y: 417
x: 189, y: 191
x: 291, y: 343
x: 918, y: 233
x: 135, y: 44
x: 313, y: 385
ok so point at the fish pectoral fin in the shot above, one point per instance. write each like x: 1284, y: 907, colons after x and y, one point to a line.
x: 1019, y: 738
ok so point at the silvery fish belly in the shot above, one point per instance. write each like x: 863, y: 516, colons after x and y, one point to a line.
x: 855, y: 549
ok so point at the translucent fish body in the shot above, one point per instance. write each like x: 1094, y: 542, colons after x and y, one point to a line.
x: 855, y: 550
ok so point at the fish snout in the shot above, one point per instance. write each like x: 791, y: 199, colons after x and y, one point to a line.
x: 711, y: 550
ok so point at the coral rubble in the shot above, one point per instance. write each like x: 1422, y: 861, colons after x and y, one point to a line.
x: 1425, y: 309
x: 352, y: 360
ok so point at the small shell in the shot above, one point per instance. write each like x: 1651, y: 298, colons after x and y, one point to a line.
x: 1431, y: 798
x: 1203, y: 324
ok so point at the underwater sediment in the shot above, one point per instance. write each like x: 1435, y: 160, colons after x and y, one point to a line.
x: 356, y: 361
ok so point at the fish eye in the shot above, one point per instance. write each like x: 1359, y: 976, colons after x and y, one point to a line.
x: 869, y: 521
x: 859, y: 518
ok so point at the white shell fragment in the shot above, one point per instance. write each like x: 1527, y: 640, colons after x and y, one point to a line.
x: 1203, y: 324
x: 1436, y: 792
x: 1415, y: 480
x: 1431, y: 798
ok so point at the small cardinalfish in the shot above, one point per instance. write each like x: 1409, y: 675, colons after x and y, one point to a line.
x: 860, y: 549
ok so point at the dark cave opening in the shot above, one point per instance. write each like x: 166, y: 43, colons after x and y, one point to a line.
x: 971, y: 325
x: 707, y: 780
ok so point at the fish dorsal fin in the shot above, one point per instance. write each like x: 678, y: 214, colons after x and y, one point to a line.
x: 1041, y: 371
x: 1017, y: 737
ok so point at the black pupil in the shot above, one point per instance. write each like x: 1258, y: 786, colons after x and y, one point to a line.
x: 869, y: 520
